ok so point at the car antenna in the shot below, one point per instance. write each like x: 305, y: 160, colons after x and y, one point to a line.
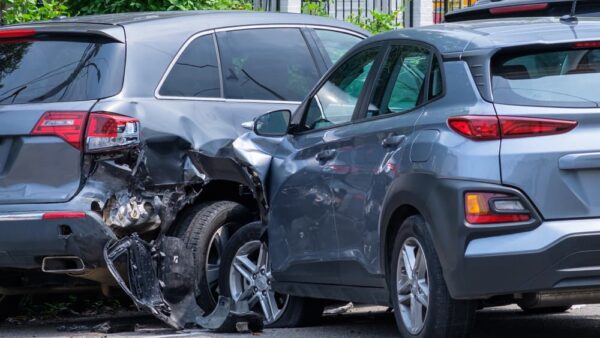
x: 570, y: 18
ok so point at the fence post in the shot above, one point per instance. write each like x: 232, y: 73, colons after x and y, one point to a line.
x: 423, y: 13
x: 291, y: 6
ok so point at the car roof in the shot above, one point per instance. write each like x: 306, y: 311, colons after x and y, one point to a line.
x: 201, y: 19
x: 483, y: 35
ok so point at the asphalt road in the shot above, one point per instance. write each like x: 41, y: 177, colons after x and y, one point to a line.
x: 366, y: 322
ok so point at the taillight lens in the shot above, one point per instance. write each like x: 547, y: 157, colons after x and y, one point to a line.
x: 63, y: 215
x: 66, y: 125
x: 519, y: 9
x: 105, y: 131
x: 17, y: 33
x: 108, y: 131
x: 486, y: 127
x: 489, y: 208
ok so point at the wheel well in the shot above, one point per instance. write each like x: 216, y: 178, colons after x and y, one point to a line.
x: 218, y: 190
x: 393, y: 226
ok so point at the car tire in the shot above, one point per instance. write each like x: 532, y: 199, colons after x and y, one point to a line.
x: 544, y: 310
x: 290, y: 311
x: 207, y: 230
x: 422, y: 303
x: 9, y: 306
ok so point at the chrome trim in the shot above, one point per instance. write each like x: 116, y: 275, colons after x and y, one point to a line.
x: 22, y: 217
x: 237, y: 28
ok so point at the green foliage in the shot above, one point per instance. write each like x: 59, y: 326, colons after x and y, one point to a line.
x: 17, y: 11
x: 318, y: 8
x: 88, y: 7
x: 377, y: 22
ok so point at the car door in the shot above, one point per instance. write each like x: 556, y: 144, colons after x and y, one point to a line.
x: 302, y: 231
x: 377, y: 148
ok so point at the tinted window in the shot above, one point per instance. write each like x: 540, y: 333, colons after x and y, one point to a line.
x: 400, y: 86
x: 336, y: 100
x: 60, y: 70
x: 266, y: 64
x: 336, y: 43
x: 196, y: 72
x: 563, y: 78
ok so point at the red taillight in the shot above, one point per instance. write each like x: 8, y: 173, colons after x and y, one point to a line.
x: 66, y: 125
x: 105, y: 131
x: 480, y: 128
x: 488, y: 208
x: 587, y: 44
x: 63, y: 215
x: 111, y: 131
x: 17, y: 33
x: 519, y: 9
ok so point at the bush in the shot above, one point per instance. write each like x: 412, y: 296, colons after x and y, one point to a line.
x: 377, y: 22
x: 89, y: 7
x: 17, y: 11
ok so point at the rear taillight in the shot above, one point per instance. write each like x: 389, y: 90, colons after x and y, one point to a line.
x: 519, y: 9
x: 489, y: 208
x: 485, y: 127
x: 105, y: 131
x: 66, y: 125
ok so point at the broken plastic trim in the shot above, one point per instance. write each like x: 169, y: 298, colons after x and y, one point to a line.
x: 161, y: 281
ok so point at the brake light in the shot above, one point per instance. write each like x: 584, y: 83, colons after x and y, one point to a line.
x: 481, y: 128
x: 66, y: 125
x: 63, y: 215
x: 519, y: 9
x: 107, y: 131
x: 489, y: 208
x: 587, y: 44
x: 17, y: 33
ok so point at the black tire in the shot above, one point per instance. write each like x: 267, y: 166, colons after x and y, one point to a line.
x: 201, y: 225
x: 9, y: 306
x: 545, y: 310
x: 444, y: 317
x: 299, y: 311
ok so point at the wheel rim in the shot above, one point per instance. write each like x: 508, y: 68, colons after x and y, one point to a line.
x: 212, y: 265
x: 412, y: 285
x: 250, y: 282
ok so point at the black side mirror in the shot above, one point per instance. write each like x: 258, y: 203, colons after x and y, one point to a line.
x: 273, y: 124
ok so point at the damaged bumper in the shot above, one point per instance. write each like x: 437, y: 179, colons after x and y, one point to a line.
x: 159, y: 278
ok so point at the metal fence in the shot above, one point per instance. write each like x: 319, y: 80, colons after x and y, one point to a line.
x: 441, y: 7
x: 346, y: 9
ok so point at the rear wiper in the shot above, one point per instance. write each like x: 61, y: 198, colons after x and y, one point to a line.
x: 14, y: 95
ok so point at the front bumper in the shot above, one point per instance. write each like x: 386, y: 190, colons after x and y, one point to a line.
x: 26, y: 238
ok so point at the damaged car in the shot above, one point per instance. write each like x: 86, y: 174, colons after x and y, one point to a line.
x: 437, y: 171
x: 99, y: 115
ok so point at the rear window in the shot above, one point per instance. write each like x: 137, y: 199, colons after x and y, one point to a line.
x: 52, y: 70
x: 557, y: 78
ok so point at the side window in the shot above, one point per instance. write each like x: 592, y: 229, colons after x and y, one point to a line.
x: 196, y: 72
x: 266, y: 64
x: 436, y: 86
x: 335, y: 102
x: 336, y: 43
x: 401, y: 85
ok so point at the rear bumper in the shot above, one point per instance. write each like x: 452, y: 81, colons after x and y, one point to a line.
x: 554, y: 256
x: 25, y: 239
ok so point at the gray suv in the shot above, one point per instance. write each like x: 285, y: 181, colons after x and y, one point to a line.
x: 435, y: 170
x: 98, y: 115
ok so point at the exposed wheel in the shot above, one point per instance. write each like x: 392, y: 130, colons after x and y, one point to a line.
x: 246, y: 278
x: 208, y: 228
x: 422, y: 304
x: 9, y: 306
x: 545, y: 310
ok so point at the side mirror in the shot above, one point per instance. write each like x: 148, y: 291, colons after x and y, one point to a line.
x: 273, y: 124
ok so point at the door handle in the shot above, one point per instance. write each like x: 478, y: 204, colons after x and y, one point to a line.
x: 325, y: 155
x: 393, y: 141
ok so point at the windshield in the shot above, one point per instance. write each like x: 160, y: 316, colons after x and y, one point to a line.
x: 49, y: 70
x: 558, y: 78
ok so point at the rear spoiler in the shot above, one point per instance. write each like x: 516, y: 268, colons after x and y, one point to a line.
x: 523, y: 8
x: 110, y: 32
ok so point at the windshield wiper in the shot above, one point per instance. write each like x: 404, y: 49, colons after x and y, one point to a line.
x: 14, y: 95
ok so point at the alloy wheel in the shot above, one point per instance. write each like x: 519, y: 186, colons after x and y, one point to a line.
x: 212, y: 265
x: 412, y: 285
x: 250, y: 282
